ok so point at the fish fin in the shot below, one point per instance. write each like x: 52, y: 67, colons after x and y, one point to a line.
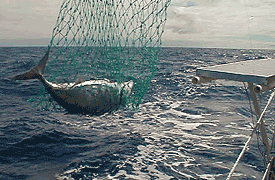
x: 36, y: 72
x: 93, y: 77
x: 80, y: 79
x: 42, y: 63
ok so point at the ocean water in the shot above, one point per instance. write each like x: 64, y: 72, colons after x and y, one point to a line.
x: 181, y: 130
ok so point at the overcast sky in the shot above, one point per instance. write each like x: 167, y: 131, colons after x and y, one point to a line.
x: 195, y: 23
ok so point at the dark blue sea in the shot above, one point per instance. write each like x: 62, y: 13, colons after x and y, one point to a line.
x: 180, y: 131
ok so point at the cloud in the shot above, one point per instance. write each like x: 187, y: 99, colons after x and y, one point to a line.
x: 221, y: 20
x: 207, y: 23
x: 10, y: 18
x: 28, y: 19
x: 190, y: 3
x: 187, y: 20
x: 182, y: 23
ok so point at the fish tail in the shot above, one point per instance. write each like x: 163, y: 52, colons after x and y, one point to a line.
x: 37, y: 71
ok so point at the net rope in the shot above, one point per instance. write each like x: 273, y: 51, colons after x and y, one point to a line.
x: 113, y: 39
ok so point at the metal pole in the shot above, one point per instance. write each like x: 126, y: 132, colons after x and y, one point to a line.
x: 259, y: 122
x: 258, y: 111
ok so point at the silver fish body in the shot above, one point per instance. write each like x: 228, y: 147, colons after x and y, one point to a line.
x: 92, y: 97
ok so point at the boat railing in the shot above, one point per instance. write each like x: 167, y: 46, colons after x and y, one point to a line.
x: 260, y: 76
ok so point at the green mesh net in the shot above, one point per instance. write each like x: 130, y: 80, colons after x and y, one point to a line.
x: 113, y: 39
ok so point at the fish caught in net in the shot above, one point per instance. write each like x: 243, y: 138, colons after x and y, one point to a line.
x: 112, y: 40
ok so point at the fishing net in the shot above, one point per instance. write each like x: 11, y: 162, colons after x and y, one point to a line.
x: 113, y: 39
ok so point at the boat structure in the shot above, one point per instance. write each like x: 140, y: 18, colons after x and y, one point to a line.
x: 260, y: 77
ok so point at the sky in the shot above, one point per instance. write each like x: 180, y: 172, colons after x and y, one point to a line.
x: 194, y: 23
